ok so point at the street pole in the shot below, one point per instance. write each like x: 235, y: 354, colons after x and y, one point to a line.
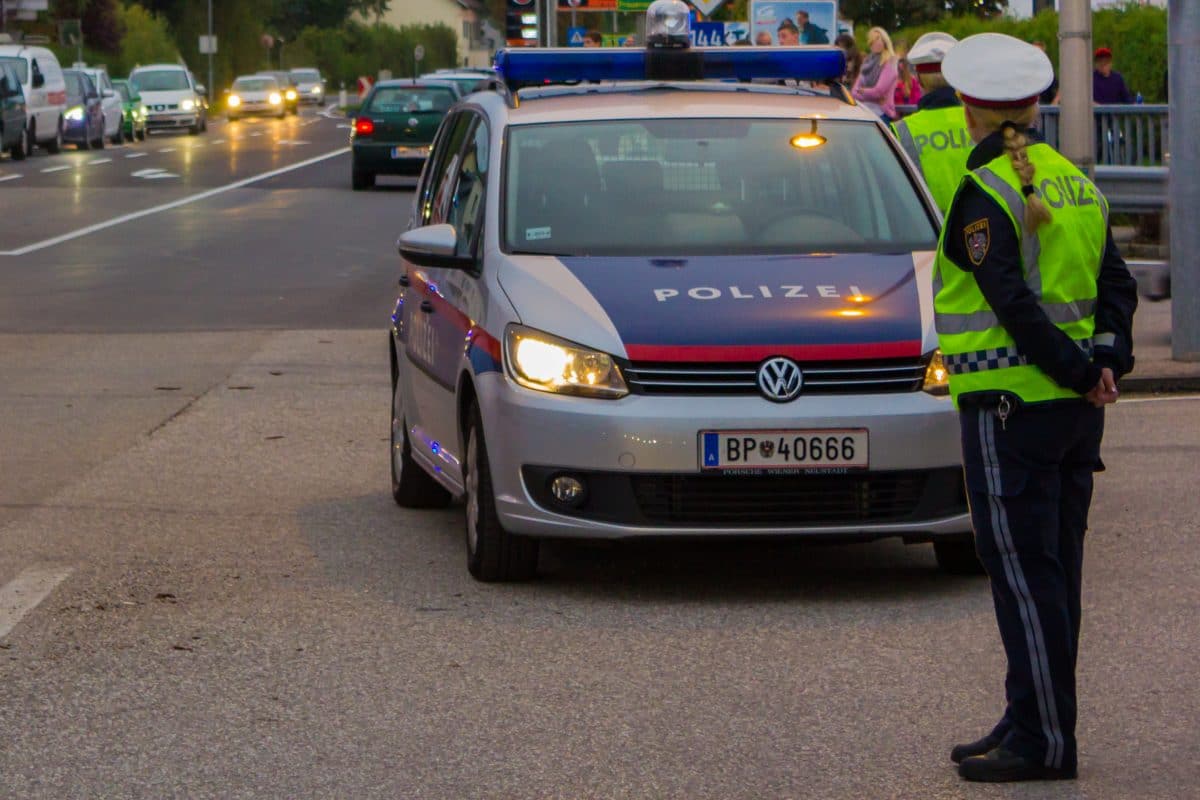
x: 1076, y: 131
x: 211, y: 86
x: 1183, y: 62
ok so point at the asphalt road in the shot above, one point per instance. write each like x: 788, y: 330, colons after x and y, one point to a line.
x: 193, y: 478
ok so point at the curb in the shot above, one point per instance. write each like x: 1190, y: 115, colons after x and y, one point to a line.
x: 1161, y: 384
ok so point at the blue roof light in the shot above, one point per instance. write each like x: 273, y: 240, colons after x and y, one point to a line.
x: 558, y: 65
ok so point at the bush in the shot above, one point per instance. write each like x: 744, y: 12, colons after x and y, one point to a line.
x: 343, y: 54
x: 147, y: 39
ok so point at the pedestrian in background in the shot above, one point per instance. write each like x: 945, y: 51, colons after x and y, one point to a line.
x: 845, y: 42
x: 1034, y: 312
x: 908, y: 88
x: 876, y: 84
x: 1108, y: 85
x: 1050, y: 96
x: 935, y: 136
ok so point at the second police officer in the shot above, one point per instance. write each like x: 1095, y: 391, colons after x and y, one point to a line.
x: 1034, y: 310
x: 935, y: 136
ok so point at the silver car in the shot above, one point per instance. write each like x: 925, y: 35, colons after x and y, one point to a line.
x: 682, y: 309
x: 309, y: 84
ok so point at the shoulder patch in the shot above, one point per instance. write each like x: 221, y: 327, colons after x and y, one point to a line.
x: 978, y: 238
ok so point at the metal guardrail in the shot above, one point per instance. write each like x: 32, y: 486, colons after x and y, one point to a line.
x: 1133, y: 190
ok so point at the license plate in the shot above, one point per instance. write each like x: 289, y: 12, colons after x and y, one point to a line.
x: 843, y: 448
x: 406, y: 152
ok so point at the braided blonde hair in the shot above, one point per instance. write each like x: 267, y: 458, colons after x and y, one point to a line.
x: 1014, y: 121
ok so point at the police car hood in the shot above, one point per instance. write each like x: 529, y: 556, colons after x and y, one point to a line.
x: 730, y: 308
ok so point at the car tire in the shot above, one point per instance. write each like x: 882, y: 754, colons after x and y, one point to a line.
x: 118, y: 138
x: 412, y: 487
x: 958, y: 557
x: 85, y: 143
x: 194, y: 130
x: 493, y: 554
x: 98, y: 143
x: 141, y: 135
x: 204, y: 124
x: 55, y: 145
x: 21, y: 148
x: 361, y: 180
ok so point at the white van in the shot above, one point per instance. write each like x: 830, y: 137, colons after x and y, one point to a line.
x: 45, y: 93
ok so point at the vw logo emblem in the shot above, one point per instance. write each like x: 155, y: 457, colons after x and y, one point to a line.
x: 780, y: 379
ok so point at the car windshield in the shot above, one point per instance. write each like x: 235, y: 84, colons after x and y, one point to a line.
x: 123, y: 91
x: 255, y: 85
x: 411, y: 100
x: 160, y: 80
x: 20, y: 65
x: 702, y: 186
x: 306, y: 75
x: 78, y: 86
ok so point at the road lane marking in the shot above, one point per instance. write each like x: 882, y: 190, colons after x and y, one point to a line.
x: 1163, y: 399
x: 154, y: 173
x: 57, y: 169
x: 95, y: 161
x: 167, y: 150
x: 137, y: 155
x: 256, y: 133
x: 23, y: 594
x: 183, y: 201
x: 218, y: 141
x: 4, y: 178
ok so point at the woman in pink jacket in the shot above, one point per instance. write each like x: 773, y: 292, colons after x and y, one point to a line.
x: 876, y: 84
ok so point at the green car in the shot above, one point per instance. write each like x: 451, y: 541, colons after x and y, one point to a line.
x: 395, y: 126
x: 134, y: 119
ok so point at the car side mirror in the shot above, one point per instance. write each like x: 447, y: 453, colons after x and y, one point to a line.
x: 202, y: 89
x: 39, y: 80
x: 433, y: 246
x: 107, y: 93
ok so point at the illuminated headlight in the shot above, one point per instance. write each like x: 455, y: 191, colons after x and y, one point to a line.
x: 143, y: 112
x: 547, y: 363
x: 937, y: 379
x: 188, y: 105
x: 74, y: 114
x: 234, y: 101
x: 315, y: 90
x: 291, y: 94
x: 275, y: 99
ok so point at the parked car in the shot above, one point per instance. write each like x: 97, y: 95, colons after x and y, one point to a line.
x: 291, y: 93
x: 133, y: 109
x: 110, y: 102
x: 395, y: 126
x: 83, y: 122
x: 14, y: 136
x: 255, y: 94
x: 172, y: 97
x: 45, y: 94
x: 468, y: 80
x: 309, y: 84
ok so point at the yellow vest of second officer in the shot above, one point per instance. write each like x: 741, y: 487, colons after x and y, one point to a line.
x: 937, y: 141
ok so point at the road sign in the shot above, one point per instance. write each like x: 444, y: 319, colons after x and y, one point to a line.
x: 70, y: 32
x: 419, y: 53
x: 708, y: 34
x: 706, y: 7
x: 364, y: 86
x: 575, y: 36
x: 208, y: 45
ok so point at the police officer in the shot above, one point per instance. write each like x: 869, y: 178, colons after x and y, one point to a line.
x: 1034, y: 309
x: 935, y: 136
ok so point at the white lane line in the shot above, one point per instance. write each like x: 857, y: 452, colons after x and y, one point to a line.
x: 1163, y: 399
x: 167, y: 150
x: 95, y: 161
x: 183, y: 201
x: 22, y: 594
x: 218, y: 141
x: 137, y: 155
x: 256, y: 133
x: 4, y: 178
x: 57, y: 169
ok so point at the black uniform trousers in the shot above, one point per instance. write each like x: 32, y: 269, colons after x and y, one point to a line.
x: 1029, y: 480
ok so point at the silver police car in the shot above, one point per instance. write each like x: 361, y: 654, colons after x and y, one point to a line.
x: 671, y: 308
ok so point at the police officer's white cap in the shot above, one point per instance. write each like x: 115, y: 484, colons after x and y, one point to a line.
x: 929, y: 51
x: 992, y: 70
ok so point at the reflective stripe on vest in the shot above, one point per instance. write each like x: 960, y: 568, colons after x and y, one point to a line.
x: 998, y: 358
x: 937, y: 141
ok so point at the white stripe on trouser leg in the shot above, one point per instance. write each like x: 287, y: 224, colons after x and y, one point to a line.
x: 1034, y: 641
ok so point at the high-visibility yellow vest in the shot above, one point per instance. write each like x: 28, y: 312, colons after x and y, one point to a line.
x: 1061, y: 262
x: 937, y: 141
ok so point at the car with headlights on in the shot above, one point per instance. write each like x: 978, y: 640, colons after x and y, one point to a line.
x: 173, y: 99
x: 288, y: 88
x: 666, y: 301
x: 83, y: 121
x: 255, y: 94
x: 110, y: 103
x: 309, y: 84
x: 132, y: 108
x: 394, y: 126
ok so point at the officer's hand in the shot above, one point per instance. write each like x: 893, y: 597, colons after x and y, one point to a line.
x: 1105, y: 390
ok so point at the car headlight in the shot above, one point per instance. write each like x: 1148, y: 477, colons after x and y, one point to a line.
x: 937, y: 379
x: 275, y: 99
x: 316, y: 90
x: 143, y: 112
x: 291, y: 94
x: 74, y: 114
x: 234, y: 101
x: 188, y: 105
x: 547, y: 363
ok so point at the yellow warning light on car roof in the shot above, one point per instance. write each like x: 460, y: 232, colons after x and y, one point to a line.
x: 807, y: 141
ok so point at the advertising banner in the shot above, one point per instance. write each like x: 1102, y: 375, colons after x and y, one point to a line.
x: 793, y: 22
x: 719, y: 34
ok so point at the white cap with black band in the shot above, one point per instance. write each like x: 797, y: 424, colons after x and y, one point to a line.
x: 992, y: 70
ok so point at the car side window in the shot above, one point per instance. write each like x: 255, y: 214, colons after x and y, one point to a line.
x: 436, y: 194
x: 465, y: 212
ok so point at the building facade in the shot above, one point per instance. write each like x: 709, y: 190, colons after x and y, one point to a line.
x: 477, y: 40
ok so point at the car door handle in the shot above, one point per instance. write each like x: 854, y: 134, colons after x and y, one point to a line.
x: 427, y: 306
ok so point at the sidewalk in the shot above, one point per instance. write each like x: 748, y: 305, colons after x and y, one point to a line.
x: 1155, y: 371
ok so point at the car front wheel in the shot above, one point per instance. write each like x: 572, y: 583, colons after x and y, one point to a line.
x: 55, y: 145
x: 493, y: 554
x: 21, y: 148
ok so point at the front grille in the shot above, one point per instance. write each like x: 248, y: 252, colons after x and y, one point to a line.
x: 792, y: 501
x: 831, y: 377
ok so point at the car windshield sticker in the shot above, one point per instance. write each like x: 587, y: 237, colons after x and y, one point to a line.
x: 978, y: 236
x: 535, y: 234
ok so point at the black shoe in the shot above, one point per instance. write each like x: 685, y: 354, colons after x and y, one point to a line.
x: 977, y: 748
x: 1004, y: 766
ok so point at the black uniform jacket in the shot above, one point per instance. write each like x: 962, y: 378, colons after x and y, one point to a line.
x: 1002, y: 282
x: 941, y: 97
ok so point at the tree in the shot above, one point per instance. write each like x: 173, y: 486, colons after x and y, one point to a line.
x: 891, y: 14
x: 979, y: 8
x: 147, y: 38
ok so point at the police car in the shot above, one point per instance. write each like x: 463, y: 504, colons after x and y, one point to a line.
x: 667, y: 301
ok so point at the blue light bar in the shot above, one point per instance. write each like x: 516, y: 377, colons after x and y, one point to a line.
x: 566, y: 64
